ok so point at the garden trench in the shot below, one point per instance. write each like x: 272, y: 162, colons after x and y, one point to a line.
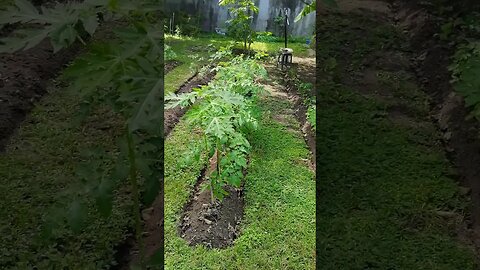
x: 214, y: 225
x: 460, y: 135
x: 28, y: 84
x: 303, y: 71
x: 173, y: 115
x: 386, y: 103
x: 24, y: 77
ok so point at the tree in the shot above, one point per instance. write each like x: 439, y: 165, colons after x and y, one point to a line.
x: 311, y: 7
x: 239, y: 26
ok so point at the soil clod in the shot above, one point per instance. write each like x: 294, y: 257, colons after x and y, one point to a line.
x: 214, y: 225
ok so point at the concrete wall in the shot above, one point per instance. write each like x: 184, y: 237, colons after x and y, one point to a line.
x: 215, y: 16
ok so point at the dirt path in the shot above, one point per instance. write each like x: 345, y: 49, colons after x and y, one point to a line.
x: 380, y: 144
x: 281, y: 87
x: 304, y: 72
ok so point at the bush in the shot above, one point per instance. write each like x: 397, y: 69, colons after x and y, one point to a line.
x: 270, y: 37
x: 184, y: 24
x: 169, y: 54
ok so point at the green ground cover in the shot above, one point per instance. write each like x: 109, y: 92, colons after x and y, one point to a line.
x: 37, y: 173
x: 380, y: 190
x: 278, y: 229
x: 186, y: 47
x: 384, y: 179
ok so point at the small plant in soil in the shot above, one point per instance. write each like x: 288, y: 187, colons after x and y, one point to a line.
x: 219, y: 57
x: 225, y: 114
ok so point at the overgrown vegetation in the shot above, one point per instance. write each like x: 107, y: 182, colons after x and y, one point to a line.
x: 381, y: 189
x: 126, y: 75
x: 384, y: 179
x: 465, y: 65
x: 194, y: 52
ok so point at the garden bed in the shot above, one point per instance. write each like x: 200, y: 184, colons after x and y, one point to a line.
x: 24, y: 77
x: 171, y: 65
x: 173, y: 115
x: 277, y: 196
x: 214, y: 225
x: 460, y: 134
x: 382, y: 165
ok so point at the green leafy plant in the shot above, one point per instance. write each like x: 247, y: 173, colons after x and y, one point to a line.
x: 126, y: 75
x: 62, y: 24
x: 196, y: 59
x: 465, y: 69
x: 224, y: 111
x: 219, y: 57
x: 185, y: 24
x: 312, y: 7
x: 169, y: 54
x: 312, y: 116
x: 267, y: 37
x: 305, y: 89
x: 239, y: 26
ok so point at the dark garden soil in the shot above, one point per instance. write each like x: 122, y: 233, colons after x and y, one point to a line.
x: 305, y: 71
x: 172, y: 116
x: 171, y: 65
x: 7, y: 29
x: 427, y: 58
x: 128, y: 253
x: 24, y: 77
x: 461, y: 136
x: 214, y: 225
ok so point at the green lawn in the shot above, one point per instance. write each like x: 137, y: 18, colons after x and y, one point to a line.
x: 380, y: 187
x: 382, y: 174
x: 4, y: 3
x: 37, y: 173
x: 278, y: 229
x: 185, y: 47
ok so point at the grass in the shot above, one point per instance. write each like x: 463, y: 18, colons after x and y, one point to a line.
x: 381, y: 183
x: 380, y: 190
x: 37, y: 174
x: 279, y: 222
x: 185, y: 47
x: 5, y: 3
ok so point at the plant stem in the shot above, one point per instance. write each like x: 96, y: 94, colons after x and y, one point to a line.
x: 218, y: 160
x: 208, y: 158
x: 136, y: 199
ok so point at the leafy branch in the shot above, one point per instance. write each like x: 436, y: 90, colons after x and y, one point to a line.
x: 126, y: 75
x: 224, y: 110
